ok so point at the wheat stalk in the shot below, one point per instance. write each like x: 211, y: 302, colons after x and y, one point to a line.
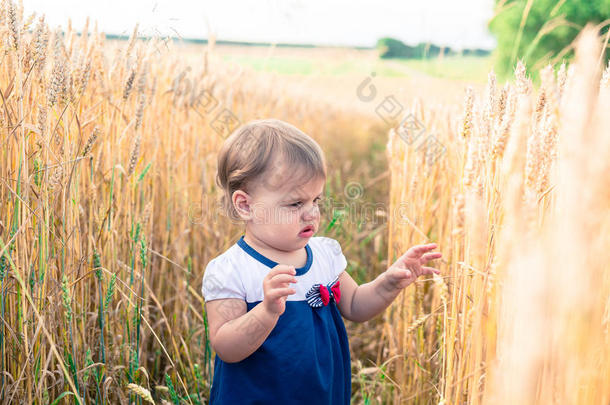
x: 141, y: 391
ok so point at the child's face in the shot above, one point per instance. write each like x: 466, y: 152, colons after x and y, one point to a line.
x: 279, y: 212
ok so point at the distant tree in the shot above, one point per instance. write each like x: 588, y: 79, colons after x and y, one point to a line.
x: 541, y: 31
x: 475, y: 52
x: 391, y: 48
x: 394, y: 48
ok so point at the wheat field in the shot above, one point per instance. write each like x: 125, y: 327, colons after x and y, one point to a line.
x: 520, y: 203
x: 109, y: 213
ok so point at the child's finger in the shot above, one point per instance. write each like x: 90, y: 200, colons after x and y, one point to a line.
x: 281, y: 292
x: 419, y: 250
x: 282, y: 278
x: 431, y: 256
x: 430, y: 270
x: 281, y: 269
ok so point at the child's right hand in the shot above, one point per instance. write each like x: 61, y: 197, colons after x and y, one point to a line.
x: 276, y: 288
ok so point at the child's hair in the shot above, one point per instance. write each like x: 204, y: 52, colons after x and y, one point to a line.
x: 251, y: 150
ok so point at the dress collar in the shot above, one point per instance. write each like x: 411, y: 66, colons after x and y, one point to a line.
x: 270, y: 263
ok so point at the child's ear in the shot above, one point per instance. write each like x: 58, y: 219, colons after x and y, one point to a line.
x: 242, y: 203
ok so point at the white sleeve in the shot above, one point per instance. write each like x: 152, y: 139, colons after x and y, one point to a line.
x: 221, y: 280
x: 337, y: 258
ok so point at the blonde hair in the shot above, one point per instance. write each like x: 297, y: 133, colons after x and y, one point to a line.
x: 263, y: 148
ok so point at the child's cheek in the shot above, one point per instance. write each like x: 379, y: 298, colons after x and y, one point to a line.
x: 261, y: 214
x: 291, y: 218
x: 283, y: 216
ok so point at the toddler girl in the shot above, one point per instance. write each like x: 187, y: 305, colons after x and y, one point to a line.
x: 275, y: 299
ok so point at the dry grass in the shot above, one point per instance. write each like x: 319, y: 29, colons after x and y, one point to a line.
x: 519, y: 206
x: 108, y: 207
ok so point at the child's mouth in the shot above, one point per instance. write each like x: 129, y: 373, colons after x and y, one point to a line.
x: 307, y: 231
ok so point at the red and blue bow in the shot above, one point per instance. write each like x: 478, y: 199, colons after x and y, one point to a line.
x: 320, y: 294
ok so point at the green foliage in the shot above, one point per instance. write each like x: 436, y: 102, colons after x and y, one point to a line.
x: 88, y: 362
x: 143, y: 252
x: 110, y: 292
x: 172, y: 390
x: 97, y: 264
x: 393, y: 48
x: 549, y: 28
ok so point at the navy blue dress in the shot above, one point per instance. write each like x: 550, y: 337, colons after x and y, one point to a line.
x: 306, y: 357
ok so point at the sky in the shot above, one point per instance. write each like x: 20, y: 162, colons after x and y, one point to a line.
x: 459, y: 24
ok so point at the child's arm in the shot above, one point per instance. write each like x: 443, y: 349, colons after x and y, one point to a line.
x: 361, y: 303
x: 236, y: 333
x: 364, y: 302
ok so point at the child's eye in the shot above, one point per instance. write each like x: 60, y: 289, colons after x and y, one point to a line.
x: 299, y: 203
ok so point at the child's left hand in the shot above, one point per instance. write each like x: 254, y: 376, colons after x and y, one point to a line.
x: 410, y: 265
